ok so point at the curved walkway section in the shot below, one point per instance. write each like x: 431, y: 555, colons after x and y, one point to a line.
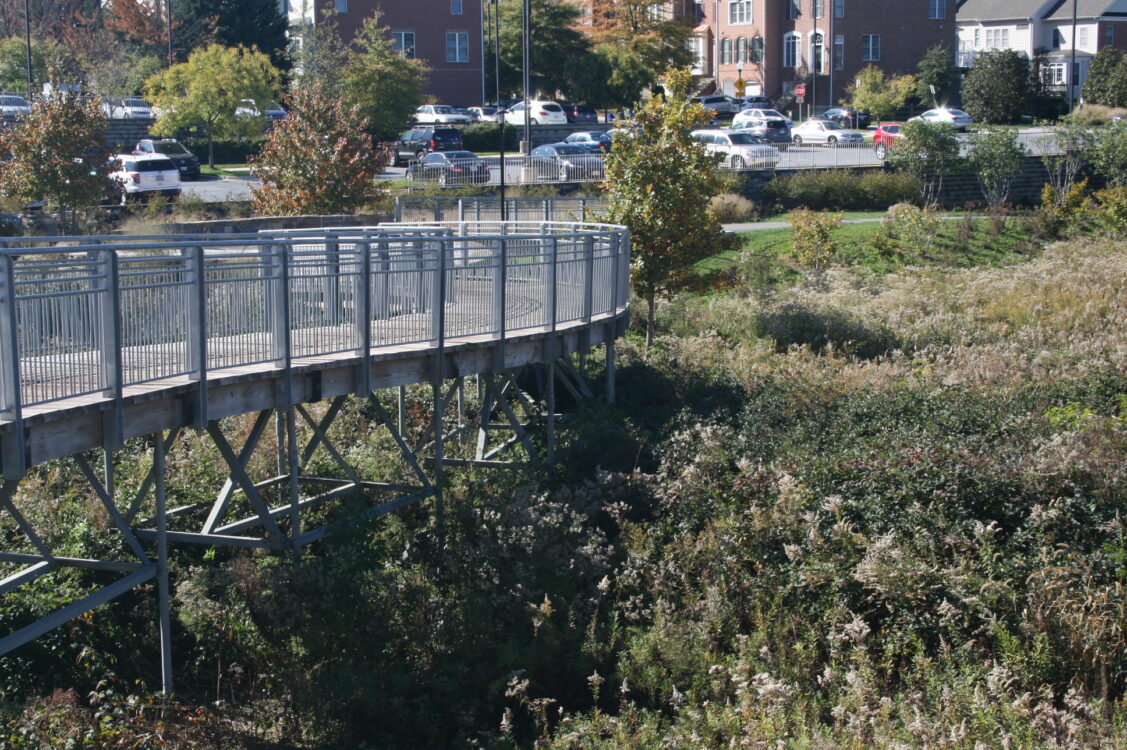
x: 106, y: 338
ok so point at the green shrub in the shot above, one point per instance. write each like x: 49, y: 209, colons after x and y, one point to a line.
x: 842, y: 189
x: 883, y: 189
x: 227, y: 151
x: 482, y: 136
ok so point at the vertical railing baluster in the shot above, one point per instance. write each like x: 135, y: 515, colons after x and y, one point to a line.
x: 363, y: 296
x: 588, y: 276
x: 279, y: 305
x: 108, y: 281
x: 197, y: 335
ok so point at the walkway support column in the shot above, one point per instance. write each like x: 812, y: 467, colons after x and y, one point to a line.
x: 162, y: 567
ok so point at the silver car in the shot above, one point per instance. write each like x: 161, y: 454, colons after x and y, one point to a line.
x: 825, y: 131
x: 740, y: 150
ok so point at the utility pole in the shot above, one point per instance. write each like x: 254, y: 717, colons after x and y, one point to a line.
x: 27, y: 40
x: 815, y: 61
x: 527, y: 63
x: 500, y: 109
x: 1072, y: 63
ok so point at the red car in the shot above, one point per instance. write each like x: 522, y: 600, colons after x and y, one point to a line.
x: 885, y: 138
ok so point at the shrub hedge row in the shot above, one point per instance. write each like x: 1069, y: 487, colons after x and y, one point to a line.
x: 843, y: 189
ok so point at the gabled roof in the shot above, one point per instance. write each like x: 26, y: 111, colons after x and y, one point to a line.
x: 998, y: 10
x: 1062, y: 9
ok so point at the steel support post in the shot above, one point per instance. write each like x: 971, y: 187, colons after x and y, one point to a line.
x: 610, y: 370
x: 295, y: 470
x: 162, y: 567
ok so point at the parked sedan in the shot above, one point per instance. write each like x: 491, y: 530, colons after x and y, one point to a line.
x: 956, y: 118
x: 741, y: 120
x: 848, y: 118
x: 580, y: 113
x: 740, y: 150
x: 718, y: 103
x: 13, y: 106
x: 593, y: 141
x: 825, y: 131
x: 127, y: 108
x: 485, y: 114
x: 565, y: 162
x: 433, y: 114
x: 450, y: 168
x: 885, y: 138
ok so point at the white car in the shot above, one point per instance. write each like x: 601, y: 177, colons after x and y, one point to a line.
x: 718, y: 103
x: 142, y: 175
x: 755, y: 116
x: 272, y: 111
x: 13, y: 106
x: 956, y: 118
x: 539, y: 113
x: 127, y: 108
x: 825, y: 131
x: 440, y: 114
x: 740, y: 150
x: 486, y: 114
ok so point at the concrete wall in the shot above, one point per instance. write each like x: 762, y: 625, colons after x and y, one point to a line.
x: 258, y: 224
x: 120, y: 136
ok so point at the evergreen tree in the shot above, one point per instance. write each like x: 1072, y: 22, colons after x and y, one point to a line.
x: 1107, y: 79
x: 937, y: 68
x: 249, y: 23
x: 998, y: 88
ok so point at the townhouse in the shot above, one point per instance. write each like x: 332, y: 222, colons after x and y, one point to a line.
x: 1044, y: 27
x: 446, y: 34
x: 773, y: 44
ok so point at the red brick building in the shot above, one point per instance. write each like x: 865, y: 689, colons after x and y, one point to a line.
x: 446, y: 34
x: 776, y: 42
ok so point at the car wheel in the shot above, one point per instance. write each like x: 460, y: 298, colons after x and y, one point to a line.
x: 844, y: 122
x: 565, y: 174
x: 882, y: 151
x: 831, y: 141
x: 737, y: 162
x: 797, y: 140
x: 419, y: 155
x: 533, y: 121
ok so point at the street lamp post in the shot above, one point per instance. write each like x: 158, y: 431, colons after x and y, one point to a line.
x: 500, y: 110
x: 527, y: 62
x: 27, y: 41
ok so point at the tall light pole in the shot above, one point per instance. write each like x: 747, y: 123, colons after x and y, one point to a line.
x: 27, y: 41
x: 526, y: 21
x: 1072, y: 63
x: 500, y: 109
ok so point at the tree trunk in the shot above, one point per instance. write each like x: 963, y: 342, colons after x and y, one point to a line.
x: 649, y: 321
x: 210, y: 152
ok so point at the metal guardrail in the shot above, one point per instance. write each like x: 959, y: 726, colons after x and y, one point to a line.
x: 97, y: 315
x: 488, y: 208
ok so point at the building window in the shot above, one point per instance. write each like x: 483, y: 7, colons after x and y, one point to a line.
x: 978, y: 38
x: 696, y: 47
x: 1082, y: 37
x: 790, y: 50
x: 937, y: 9
x: 819, y: 8
x: 1109, y: 35
x: 817, y: 52
x: 1053, y: 74
x: 457, y: 46
x: 792, y: 9
x: 404, y: 42
x: 757, y: 49
x: 342, y: 6
x: 455, y: 7
x: 839, y: 8
x: 739, y: 11
x: 725, y: 51
x: 997, y: 38
x: 1058, y: 39
x: 870, y: 48
x: 839, y: 52
x: 741, y: 49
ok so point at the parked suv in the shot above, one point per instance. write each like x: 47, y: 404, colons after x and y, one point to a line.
x: 769, y: 128
x: 580, y: 113
x: 184, y: 159
x: 718, y: 103
x: 741, y: 150
x: 13, y: 106
x: 418, y: 142
x: 142, y: 175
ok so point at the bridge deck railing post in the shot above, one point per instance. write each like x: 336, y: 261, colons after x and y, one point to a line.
x: 14, y: 457
x: 197, y: 333
x: 109, y: 286
x: 363, y: 296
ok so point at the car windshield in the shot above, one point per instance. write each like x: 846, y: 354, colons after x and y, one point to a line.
x: 13, y: 101
x: 275, y: 106
x: 135, y: 103
x: 460, y: 155
x: 564, y: 150
x: 170, y: 148
x: 742, y: 139
x: 830, y: 125
x: 957, y: 112
x: 444, y: 111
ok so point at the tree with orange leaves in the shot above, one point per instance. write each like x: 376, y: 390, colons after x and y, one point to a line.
x: 646, y: 28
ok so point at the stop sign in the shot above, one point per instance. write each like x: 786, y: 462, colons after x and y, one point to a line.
x: 800, y: 91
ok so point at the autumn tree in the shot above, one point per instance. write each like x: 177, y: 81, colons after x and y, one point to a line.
x: 644, y: 28
x: 205, y: 91
x: 319, y: 160
x: 877, y: 94
x: 382, y: 82
x: 57, y: 155
x: 660, y: 182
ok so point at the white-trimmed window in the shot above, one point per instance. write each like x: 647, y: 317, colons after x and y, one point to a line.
x: 792, y: 9
x: 818, y: 52
x: 696, y: 47
x: 741, y: 49
x: 839, y: 52
x: 341, y: 6
x: 455, y: 7
x: 978, y: 38
x: 457, y: 46
x: 818, y: 7
x: 404, y: 43
x: 997, y: 38
x: 725, y: 51
x: 739, y: 11
x: 870, y: 48
x: 756, y: 51
x: 937, y: 9
x: 1053, y: 74
x: 1082, y: 37
x: 791, y: 44
x: 1058, y: 38
x: 839, y: 8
